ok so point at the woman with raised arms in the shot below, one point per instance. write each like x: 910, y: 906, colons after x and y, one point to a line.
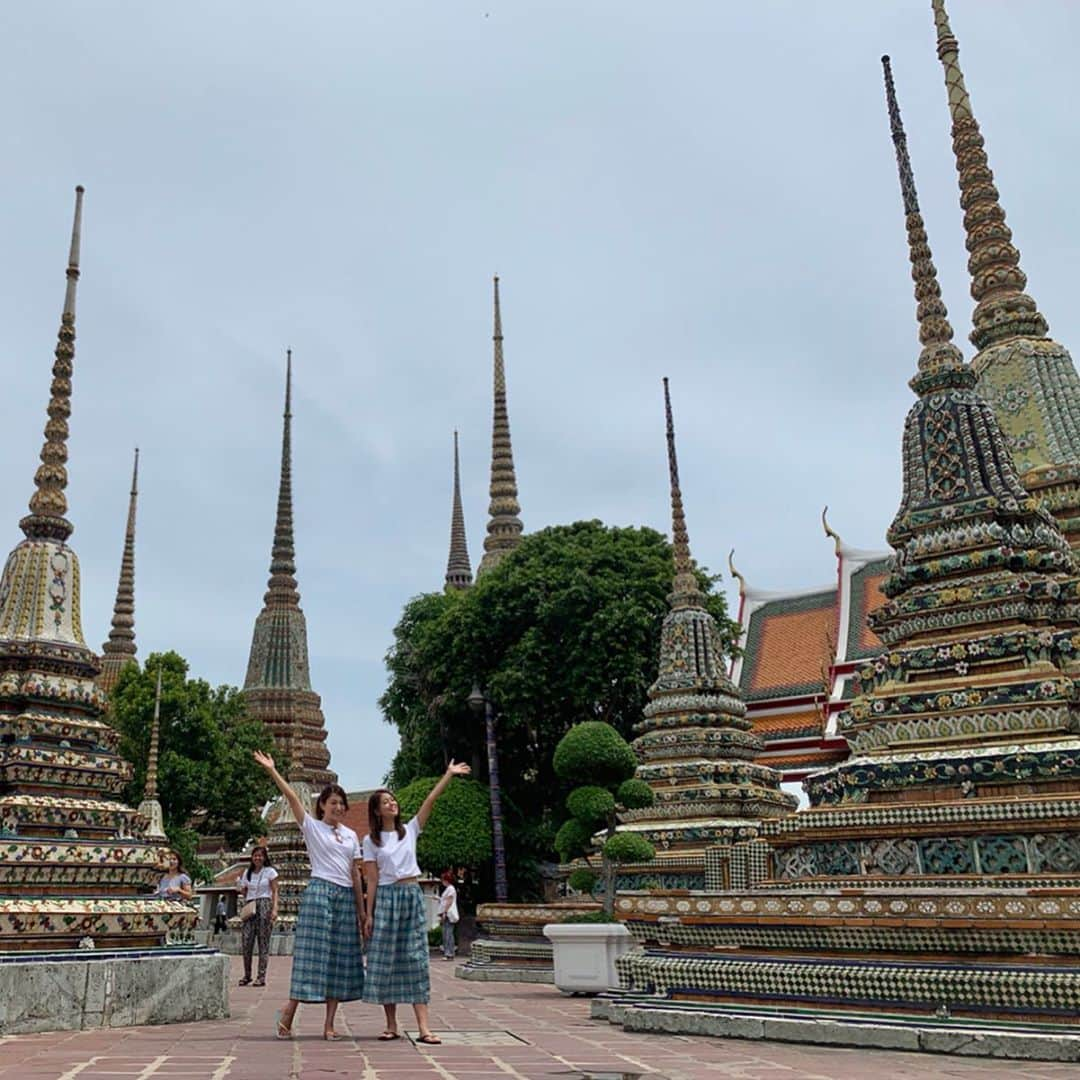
x: 397, y: 967
x: 327, y: 961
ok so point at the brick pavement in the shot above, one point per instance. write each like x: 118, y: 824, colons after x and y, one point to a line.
x: 493, y: 1031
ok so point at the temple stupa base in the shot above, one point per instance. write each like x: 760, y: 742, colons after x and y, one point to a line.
x: 823, y: 1027
x: 513, y: 947
x: 75, y: 991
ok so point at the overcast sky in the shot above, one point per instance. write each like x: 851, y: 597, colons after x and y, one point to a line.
x: 696, y: 190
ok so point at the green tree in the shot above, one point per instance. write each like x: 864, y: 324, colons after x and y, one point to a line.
x: 596, y: 756
x: 566, y: 628
x: 458, y: 832
x: 207, y: 783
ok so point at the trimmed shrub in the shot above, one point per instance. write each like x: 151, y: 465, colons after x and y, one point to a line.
x: 628, y: 848
x: 458, y: 833
x: 582, y: 880
x: 593, y: 753
x: 572, y: 839
x: 588, y: 917
x: 591, y: 805
x: 635, y: 794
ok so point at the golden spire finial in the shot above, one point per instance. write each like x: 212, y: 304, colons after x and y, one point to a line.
x: 939, y: 354
x: 48, y: 504
x: 735, y: 573
x: 686, y: 590
x: 1002, y: 308
x: 504, y: 524
x: 458, y: 568
x: 830, y: 532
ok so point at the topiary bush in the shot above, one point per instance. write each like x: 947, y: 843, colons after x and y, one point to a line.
x: 587, y: 917
x: 635, y: 794
x: 628, y: 847
x: 458, y: 832
x: 583, y: 880
x: 596, y: 757
x: 591, y: 805
x: 593, y: 753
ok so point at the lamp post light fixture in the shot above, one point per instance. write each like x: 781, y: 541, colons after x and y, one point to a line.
x: 479, y: 702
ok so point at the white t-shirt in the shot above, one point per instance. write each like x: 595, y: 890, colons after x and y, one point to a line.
x: 448, y: 899
x: 396, y: 859
x: 331, y: 850
x: 258, y: 885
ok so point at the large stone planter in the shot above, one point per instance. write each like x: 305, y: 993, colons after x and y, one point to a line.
x: 585, y: 955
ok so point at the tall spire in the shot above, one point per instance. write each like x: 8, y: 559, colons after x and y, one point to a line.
x: 48, y: 504
x: 458, y: 568
x: 997, y: 283
x: 155, y: 735
x: 504, y: 524
x: 150, y: 807
x: 282, y: 584
x: 277, y: 687
x: 938, y: 355
x: 120, y: 648
x: 686, y: 592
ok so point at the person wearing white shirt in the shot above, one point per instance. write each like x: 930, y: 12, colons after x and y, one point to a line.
x: 259, y: 888
x: 448, y: 915
x: 327, y: 959
x: 396, y: 924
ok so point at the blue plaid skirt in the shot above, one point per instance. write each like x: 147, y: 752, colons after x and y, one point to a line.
x: 397, y: 962
x: 327, y: 964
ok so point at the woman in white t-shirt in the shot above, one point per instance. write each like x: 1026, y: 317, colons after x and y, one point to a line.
x: 327, y: 959
x: 258, y: 885
x: 448, y: 915
x: 396, y: 923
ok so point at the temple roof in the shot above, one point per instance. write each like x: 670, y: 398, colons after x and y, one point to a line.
x: 787, y: 643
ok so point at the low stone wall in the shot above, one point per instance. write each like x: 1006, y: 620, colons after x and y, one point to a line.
x: 65, y: 992
x: 230, y: 942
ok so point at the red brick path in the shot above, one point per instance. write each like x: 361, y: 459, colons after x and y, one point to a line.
x: 555, y: 1032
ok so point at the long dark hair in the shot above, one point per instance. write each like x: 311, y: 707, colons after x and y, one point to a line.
x: 374, y: 818
x: 266, y: 859
x: 330, y: 789
x: 179, y: 861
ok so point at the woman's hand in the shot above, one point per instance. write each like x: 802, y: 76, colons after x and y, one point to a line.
x: 457, y: 768
x: 368, y: 925
x: 273, y: 914
x: 265, y: 760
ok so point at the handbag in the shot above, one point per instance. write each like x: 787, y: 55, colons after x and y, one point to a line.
x: 248, y: 911
x: 452, y: 912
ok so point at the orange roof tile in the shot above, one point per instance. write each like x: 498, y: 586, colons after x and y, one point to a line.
x: 780, y: 725
x: 793, y: 650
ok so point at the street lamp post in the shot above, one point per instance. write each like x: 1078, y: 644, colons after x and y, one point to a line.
x: 479, y: 701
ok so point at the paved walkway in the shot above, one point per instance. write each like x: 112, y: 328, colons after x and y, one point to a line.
x: 492, y: 1031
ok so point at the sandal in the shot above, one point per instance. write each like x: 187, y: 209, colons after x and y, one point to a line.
x: 430, y: 1040
x: 259, y: 982
x: 245, y: 981
x: 280, y: 1030
x: 389, y: 1036
x: 332, y: 1036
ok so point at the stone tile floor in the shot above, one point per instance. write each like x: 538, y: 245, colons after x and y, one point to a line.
x: 493, y: 1031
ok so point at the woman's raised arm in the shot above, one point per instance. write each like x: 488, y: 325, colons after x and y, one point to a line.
x: 295, y: 805
x: 455, y: 768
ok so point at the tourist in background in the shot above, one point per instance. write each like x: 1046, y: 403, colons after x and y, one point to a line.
x: 396, y: 924
x: 327, y: 960
x: 220, y: 912
x: 174, y: 883
x: 448, y: 915
x: 258, y: 886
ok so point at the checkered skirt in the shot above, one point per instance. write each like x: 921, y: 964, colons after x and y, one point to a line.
x: 327, y: 964
x: 397, y: 963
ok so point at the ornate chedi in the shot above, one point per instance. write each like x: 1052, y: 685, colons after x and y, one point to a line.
x: 119, y: 650
x: 695, y: 744
x: 458, y: 567
x: 936, y: 874
x: 150, y: 808
x: 278, y: 691
x: 504, y: 523
x: 76, y: 867
x: 1027, y: 376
